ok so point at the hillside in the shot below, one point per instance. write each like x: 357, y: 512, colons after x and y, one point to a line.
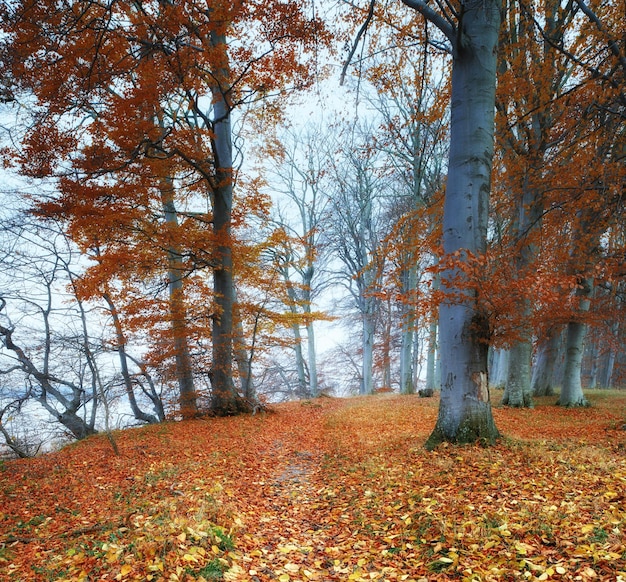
x: 330, y: 489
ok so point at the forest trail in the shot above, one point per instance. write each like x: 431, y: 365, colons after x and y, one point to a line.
x: 327, y: 490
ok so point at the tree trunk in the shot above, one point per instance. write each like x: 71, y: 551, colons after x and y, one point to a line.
x: 300, y: 368
x: 406, y: 361
x: 431, y: 358
x: 607, y: 377
x: 178, y: 311
x: 571, y: 389
x: 386, y: 347
x: 303, y: 390
x: 465, y: 410
x: 121, y: 350
x: 312, y: 357
x: 224, y: 396
x: 499, y: 368
x: 367, y: 365
x: 542, y: 383
x: 517, y: 390
x: 409, y: 282
x: 594, y: 364
x: 244, y: 361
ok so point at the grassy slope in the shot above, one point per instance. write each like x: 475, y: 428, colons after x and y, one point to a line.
x: 328, y: 490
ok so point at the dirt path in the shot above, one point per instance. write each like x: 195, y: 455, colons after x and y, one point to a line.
x: 283, y: 538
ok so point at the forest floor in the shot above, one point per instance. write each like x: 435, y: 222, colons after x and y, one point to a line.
x: 330, y: 489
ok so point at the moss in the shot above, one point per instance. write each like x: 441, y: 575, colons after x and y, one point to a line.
x: 477, y: 426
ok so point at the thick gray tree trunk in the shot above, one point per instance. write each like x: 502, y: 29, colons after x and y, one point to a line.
x: 499, y: 367
x: 542, y: 383
x: 465, y: 410
x: 571, y: 388
x: 517, y: 391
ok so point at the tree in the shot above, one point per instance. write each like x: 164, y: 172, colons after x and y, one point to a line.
x: 138, y: 87
x: 412, y: 135
x: 58, y: 370
x: 472, y: 30
x: 299, y: 168
x: 355, y: 236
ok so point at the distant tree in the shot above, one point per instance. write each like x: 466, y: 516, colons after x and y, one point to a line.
x: 299, y: 169
x: 355, y: 235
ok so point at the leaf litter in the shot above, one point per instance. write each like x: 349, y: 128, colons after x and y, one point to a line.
x: 326, y: 490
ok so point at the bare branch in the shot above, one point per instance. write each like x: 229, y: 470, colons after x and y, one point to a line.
x: 355, y: 44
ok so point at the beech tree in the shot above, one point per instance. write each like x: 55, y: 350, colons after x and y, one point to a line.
x: 472, y: 30
x: 355, y: 235
x: 47, y: 351
x: 413, y: 137
x: 138, y: 87
x: 299, y: 179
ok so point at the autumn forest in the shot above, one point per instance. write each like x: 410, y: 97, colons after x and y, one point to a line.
x: 312, y: 290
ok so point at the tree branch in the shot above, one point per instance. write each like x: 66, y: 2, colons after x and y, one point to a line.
x: 437, y: 19
x: 355, y: 44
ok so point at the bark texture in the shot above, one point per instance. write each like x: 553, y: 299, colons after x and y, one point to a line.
x: 224, y: 398
x: 465, y: 410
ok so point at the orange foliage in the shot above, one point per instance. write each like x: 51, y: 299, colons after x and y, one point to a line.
x: 326, y: 490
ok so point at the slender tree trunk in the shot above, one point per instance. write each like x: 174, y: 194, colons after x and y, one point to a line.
x: 406, y: 362
x: 121, y: 350
x: 594, y: 364
x: 465, y: 410
x: 433, y: 375
x: 571, y: 389
x: 303, y: 391
x: 386, y: 348
x: 300, y: 368
x: 607, y: 378
x: 178, y: 310
x: 244, y: 361
x: 367, y: 378
x: 431, y: 358
x: 409, y: 280
x: 312, y: 357
x: 224, y: 396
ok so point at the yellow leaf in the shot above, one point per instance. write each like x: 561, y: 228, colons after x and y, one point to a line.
x: 126, y: 569
x: 182, y: 537
x: 284, y: 578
